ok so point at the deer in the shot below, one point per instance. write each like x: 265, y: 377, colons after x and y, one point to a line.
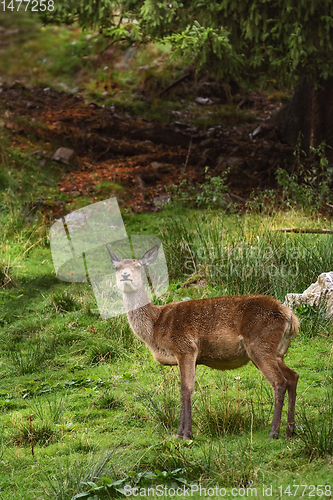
x: 223, y: 333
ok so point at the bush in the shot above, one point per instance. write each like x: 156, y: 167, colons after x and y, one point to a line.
x: 208, y: 194
x: 309, y: 187
x: 64, y: 302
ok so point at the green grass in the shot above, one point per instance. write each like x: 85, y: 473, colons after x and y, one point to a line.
x: 82, y: 399
x: 46, y: 55
x: 226, y: 115
x: 87, y: 398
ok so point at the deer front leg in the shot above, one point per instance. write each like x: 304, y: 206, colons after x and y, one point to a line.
x: 187, y: 377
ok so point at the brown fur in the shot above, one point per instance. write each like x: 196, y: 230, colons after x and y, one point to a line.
x: 222, y: 332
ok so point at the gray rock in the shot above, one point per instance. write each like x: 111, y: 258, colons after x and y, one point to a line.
x: 204, y: 101
x: 64, y: 155
x: 160, y: 201
x: 255, y: 132
x: 319, y: 294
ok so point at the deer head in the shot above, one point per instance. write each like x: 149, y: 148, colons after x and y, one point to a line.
x: 129, y: 271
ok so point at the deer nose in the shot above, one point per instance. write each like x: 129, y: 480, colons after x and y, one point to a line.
x: 125, y: 275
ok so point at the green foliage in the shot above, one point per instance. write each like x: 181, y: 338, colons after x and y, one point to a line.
x: 212, y: 190
x: 5, y: 401
x: 66, y: 476
x: 64, y: 302
x: 4, y: 180
x: 313, y: 320
x: 263, y: 201
x: 207, y: 194
x: 310, y: 187
x: 206, y: 45
x: 292, y: 39
x: 101, y: 489
x: 33, y: 389
x: 107, y: 486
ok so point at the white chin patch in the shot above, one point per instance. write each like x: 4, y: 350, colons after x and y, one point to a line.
x: 127, y: 286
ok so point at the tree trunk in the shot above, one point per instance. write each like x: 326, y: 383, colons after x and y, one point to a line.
x: 309, y: 114
x: 322, y: 117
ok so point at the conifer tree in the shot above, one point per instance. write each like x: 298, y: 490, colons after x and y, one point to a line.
x: 290, y: 41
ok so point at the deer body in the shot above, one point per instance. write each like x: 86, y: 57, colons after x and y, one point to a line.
x: 223, y: 333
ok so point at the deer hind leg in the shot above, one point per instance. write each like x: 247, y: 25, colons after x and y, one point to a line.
x: 271, y: 370
x: 292, y: 378
x: 187, y: 377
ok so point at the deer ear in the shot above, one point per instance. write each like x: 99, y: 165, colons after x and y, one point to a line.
x: 150, y: 256
x: 114, y: 257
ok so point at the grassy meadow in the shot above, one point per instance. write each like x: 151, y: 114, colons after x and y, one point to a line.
x: 84, y: 407
x: 85, y: 410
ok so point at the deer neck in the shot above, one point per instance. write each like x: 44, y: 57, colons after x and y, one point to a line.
x: 141, y: 314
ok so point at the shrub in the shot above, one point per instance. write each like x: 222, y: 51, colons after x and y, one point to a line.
x: 64, y: 302
x: 208, y: 194
x: 309, y: 187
